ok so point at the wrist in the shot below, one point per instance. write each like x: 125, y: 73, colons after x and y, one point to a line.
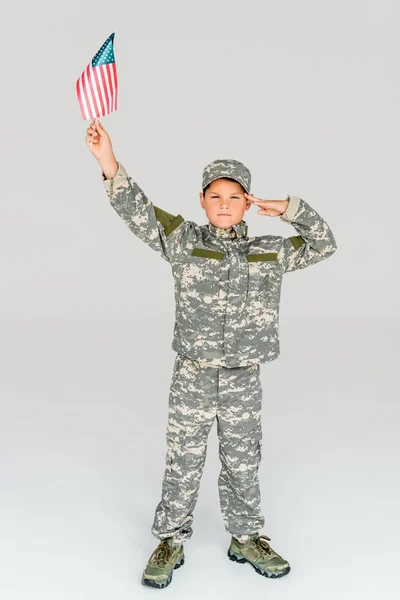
x: 109, y: 167
x: 291, y: 209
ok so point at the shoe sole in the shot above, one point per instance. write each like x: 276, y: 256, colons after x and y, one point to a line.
x: 242, y: 559
x: 163, y: 584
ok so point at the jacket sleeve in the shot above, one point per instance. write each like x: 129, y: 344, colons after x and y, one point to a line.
x: 159, y: 229
x: 315, y: 240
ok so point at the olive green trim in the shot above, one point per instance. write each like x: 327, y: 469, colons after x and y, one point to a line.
x: 163, y: 216
x: 173, y: 224
x: 208, y: 253
x: 265, y: 256
x: 167, y: 220
x: 297, y: 241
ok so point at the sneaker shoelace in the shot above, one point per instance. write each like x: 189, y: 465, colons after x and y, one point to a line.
x: 263, y: 545
x: 161, y: 554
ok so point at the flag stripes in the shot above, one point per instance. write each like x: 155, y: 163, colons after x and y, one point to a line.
x: 97, y: 90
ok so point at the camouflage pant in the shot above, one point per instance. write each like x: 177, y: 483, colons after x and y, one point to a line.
x: 198, y: 394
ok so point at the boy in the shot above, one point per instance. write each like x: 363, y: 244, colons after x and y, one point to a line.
x: 227, y: 292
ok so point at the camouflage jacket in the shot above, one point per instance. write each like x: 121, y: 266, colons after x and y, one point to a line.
x: 227, y: 285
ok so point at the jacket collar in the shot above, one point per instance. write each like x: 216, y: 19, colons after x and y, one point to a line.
x: 239, y: 230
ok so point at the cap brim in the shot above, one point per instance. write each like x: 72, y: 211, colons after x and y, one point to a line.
x: 229, y: 177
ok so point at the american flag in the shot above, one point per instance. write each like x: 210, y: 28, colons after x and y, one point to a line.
x: 97, y: 87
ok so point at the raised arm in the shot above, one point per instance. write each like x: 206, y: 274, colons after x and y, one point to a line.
x: 162, y: 231
x: 148, y: 222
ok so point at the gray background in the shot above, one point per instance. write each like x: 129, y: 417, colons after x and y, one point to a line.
x: 304, y: 93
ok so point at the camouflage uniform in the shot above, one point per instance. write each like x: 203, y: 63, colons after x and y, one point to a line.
x: 227, y: 292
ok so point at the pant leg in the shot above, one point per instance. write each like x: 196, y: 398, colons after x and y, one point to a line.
x: 192, y: 410
x: 240, y: 441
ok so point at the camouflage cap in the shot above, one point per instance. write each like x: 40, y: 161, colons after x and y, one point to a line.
x: 228, y: 167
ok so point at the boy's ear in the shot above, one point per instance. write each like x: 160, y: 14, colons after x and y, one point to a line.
x: 202, y: 201
x: 248, y: 202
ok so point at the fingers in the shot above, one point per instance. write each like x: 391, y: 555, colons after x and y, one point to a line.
x: 95, y: 134
x: 258, y: 202
x: 92, y: 135
x: 99, y: 128
x: 262, y: 203
x: 95, y: 131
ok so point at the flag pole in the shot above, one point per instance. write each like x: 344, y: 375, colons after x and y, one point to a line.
x: 95, y: 120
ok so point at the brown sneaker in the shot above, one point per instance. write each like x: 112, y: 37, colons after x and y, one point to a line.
x: 165, y: 558
x: 260, y: 555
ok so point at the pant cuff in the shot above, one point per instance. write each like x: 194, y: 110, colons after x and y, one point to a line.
x: 245, y: 537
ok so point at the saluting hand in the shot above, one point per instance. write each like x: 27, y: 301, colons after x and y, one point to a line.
x: 270, y: 208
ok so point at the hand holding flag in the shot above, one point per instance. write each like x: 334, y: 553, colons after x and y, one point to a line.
x: 97, y: 87
x: 102, y: 145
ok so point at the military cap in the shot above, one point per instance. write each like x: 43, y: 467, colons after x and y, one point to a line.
x: 228, y: 167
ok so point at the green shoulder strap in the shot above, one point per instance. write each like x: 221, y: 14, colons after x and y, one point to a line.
x: 168, y: 221
x: 297, y: 241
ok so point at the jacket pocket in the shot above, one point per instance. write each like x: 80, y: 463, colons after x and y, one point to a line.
x: 261, y: 268
x: 200, y: 279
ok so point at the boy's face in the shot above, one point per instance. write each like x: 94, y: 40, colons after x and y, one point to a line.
x: 224, y: 203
